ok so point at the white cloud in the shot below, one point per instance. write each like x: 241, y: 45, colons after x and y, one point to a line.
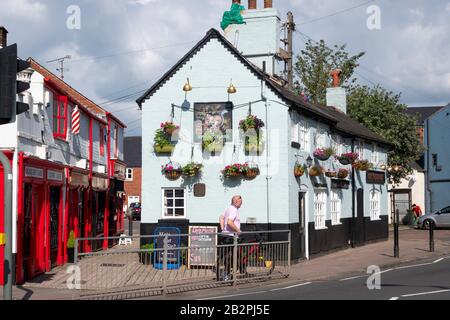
x: 30, y: 9
x: 447, y: 8
x: 142, y: 2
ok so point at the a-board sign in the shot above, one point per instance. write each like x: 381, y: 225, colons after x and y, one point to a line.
x: 202, y: 242
x: 173, y: 256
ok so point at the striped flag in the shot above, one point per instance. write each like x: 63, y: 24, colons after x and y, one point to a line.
x: 76, y: 121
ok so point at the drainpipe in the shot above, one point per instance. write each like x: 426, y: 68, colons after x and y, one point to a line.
x: 7, y: 206
x: 353, y: 223
x: 429, y: 209
x: 266, y: 102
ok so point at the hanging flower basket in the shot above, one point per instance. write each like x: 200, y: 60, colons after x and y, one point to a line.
x: 164, y: 149
x: 213, y: 141
x: 347, y: 158
x: 192, y: 169
x: 254, y: 144
x: 233, y: 171
x: 323, y: 154
x: 331, y: 174
x: 250, y: 171
x: 299, y: 170
x: 171, y: 171
x: 315, y: 171
x: 162, y: 142
x: 169, y: 127
x: 251, y: 123
x: 362, y: 165
x: 342, y: 173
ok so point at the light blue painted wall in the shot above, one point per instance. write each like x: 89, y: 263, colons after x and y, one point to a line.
x: 438, y: 127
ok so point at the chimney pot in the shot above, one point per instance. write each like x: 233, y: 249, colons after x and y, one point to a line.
x: 336, y: 75
x: 234, y: 1
x: 3, y: 37
x: 252, y: 4
x: 268, y: 4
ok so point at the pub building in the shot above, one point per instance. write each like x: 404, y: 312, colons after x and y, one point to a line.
x: 322, y: 211
x: 62, y: 151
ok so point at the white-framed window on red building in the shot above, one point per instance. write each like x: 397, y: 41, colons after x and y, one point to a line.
x: 102, y: 141
x: 116, y: 142
x: 60, y: 116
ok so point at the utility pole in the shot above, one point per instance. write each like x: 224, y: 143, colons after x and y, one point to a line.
x: 61, y: 62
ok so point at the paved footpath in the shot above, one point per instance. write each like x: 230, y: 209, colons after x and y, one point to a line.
x: 413, y: 247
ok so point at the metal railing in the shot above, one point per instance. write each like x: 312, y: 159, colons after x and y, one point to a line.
x: 164, y: 265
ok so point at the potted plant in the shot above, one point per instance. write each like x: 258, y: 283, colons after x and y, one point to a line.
x: 71, y: 247
x: 213, y: 141
x: 232, y: 171
x: 347, y: 158
x: 331, y: 174
x: 342, y: 173
x: 191, y: 169
x: 146, y: 253
x: 250, y: 170
x: 299, y: 170
x: 171, y: 171
x: 362, y: 165
x: 315, y: 171
x: 254, y: 143
x: 169, y: 127
x: 323, y: 154
x: 251, y: 122
x: 162, y: 142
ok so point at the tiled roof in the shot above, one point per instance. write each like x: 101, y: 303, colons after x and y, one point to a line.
x: 132, y: 149
x: 71, y: 93
x: 340, y: 121
x: 423, y: 113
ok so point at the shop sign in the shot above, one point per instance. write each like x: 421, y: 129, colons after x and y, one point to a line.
x: 375, y: 177
x: 34, y: 172
x: 77, y: 179
x: 119, y: 171
x: 340, y: 184
x: 54, y: 175
x: 99, y: 183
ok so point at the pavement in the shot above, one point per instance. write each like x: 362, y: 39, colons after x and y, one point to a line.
x: 414, y: 247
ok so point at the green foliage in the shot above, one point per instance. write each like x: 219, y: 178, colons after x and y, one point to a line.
x: 148, y: 246
x: 161, y: 138
x: 191, y: 169
x: 381, y: 111
x: 212, y: 137
x: 315, y: 63
x: 71, y: 240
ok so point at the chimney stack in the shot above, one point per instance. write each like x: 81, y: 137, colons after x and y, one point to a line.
x: 3, y: 37
x: 233, y: 1
x: 268, y: 4
x: 336, y: 95
x: 252, y: 4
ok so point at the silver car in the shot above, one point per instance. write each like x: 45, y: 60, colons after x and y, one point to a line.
x: 440, y: 219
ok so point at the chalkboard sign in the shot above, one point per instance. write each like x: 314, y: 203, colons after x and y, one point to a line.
x: 173, y: 256
x: 202, y: 250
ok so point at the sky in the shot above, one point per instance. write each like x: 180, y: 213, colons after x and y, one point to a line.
x: 119, y: 48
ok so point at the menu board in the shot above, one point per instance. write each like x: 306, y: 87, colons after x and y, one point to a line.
x: 173, y: 242
x: 202, y: 246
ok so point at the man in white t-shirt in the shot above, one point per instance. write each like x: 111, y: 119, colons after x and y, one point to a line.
x: 230, y: 224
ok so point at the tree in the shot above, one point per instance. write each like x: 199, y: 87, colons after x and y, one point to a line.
x: 381, y: 112
x: 314, y: 64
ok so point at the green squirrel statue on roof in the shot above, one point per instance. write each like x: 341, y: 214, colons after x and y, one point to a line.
x: 233, y: 16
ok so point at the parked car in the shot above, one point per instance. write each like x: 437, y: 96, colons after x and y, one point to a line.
x: 440, y: 219
x: 135, y: 211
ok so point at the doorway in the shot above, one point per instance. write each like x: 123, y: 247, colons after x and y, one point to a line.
x: 360, y: 232
x: 302, y: 223
x: 55, y: 196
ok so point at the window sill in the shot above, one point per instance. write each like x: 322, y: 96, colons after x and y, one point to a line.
x: 173, y: 218
x: 337, y: 224
x: 62, y: 139
x: 378, y: 219
x: 318, y: 229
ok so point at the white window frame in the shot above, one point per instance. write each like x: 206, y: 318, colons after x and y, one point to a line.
x: 337, y: 144
x: 132, y: 199
x: 375, y: 204
x: 295, y: 132
x: 321, y: 138
x: 127, y: 174
x: 163, y: 204
x: 360, y: 148
x: 320, y: 209
x: 304, y: 136
x: 336, y: 207
x: 375, y: 154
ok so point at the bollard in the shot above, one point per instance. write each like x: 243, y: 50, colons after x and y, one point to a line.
x: 396, y: 242
x: 431, y: 224
x: 130, y: 226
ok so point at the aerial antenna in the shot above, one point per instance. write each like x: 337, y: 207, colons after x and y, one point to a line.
x: 61, y: 62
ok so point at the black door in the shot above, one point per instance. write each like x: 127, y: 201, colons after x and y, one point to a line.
x: 27, y: 228
x: 359, y: 226
x: 54, y: 223
x: 302, y: 223
x: 81, y: 222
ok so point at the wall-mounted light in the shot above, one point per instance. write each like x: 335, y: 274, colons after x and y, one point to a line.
x: 187, y: 87
x: 309, y: 162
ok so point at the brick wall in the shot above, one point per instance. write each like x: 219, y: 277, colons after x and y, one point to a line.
x: 133, y: 188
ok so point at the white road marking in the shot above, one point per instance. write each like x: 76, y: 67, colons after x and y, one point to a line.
x: 414, y: 266
x: 352, y: 278
x: 438, y: 260
x: 424, y: 293
x: 294, y: 286
x: 234, y: 295
x: 394, y: 298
